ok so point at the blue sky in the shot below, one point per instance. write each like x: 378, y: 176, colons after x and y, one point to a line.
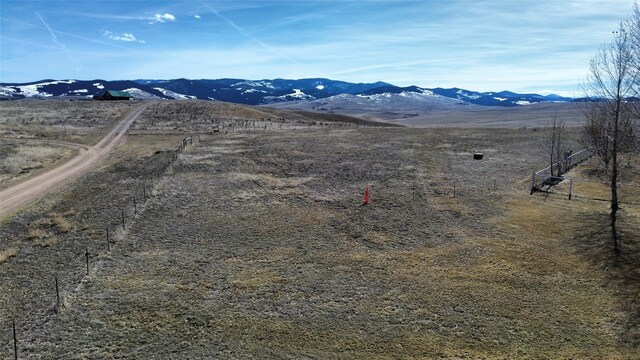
x: 539, y: 46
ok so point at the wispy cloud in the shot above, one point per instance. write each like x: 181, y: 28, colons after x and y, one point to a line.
x: 246, y: 34
x: 196, y: 16
x: 55, y: 40
x: 128, y: 37
x: 160, y: 18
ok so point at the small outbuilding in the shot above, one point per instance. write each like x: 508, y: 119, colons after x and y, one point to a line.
x: 114, y: 95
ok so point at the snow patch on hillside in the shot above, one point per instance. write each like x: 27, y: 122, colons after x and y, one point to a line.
x: 6, y: 91
x: 248, y: 91
x: 173, y: 94
x: 140, y: 94
x: 32, y: 91
x: 467, y: 95
x: 297, y: 94
x: 255, y: 84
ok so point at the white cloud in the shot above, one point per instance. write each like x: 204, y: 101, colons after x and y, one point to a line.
x: 128, y: 37
x: 196, y: 16
x: 162, y: 18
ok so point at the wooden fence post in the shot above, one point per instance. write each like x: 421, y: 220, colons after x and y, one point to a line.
x: 57, y: 294
x: 123, y: 228
x: 454, y: 188
x: 86, y: 256
x: 15, y: 341
x: 533, y: 183
x: 570, y: 188
x: 108, y: 250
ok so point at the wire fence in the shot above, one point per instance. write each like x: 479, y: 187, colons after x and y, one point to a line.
x: 120, y: 219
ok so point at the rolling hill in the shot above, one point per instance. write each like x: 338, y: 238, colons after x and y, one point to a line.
x: 264, y: 92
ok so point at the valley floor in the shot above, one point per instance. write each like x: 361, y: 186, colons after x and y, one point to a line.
x: 255, y: 244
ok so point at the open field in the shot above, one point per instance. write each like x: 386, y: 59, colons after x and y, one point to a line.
x: 20, y: 159
x: 83, y: 122
x: 470, y: 116
x: 254, y: 244
x: 203, y: 116
x: 38, y: 135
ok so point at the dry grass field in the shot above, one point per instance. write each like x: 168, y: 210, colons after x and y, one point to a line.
x: 82, y: 122
x: 38, y: 134
x: 255, y: 245
x: 22, y: 158
x: 204, y: 116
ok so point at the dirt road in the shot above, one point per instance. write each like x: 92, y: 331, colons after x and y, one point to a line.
x: 20, y: 195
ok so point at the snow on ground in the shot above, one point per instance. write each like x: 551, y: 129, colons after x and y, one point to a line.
x: 467, y: 95
x: 255, y: 84
x: 297, y: 94
x: 320, y: 87
x: 140, y: 94
x: 99, y: 85
x: 173, y: 94
x: 32, y: 90
x: 252, y: 91
x: 7, y: 91
x: 523, y: 102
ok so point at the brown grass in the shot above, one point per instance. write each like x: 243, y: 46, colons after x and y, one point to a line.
x: 267, y: 253
x: 44, y: 227
x: 74, y: 121
x: 21, y: 159
x: 203, y: 116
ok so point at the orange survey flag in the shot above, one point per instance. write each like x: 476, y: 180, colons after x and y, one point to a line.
x: 365, y: 199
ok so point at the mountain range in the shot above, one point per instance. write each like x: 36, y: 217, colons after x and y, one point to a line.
x: 263, y: 92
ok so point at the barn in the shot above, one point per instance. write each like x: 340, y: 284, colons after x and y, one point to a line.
x: 114, y: 95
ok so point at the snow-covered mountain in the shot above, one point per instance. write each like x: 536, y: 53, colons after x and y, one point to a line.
x: 261, y: 92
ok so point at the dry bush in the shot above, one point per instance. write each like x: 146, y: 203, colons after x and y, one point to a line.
x: 21, y: 159
x: 37, y: 233
x: 45, y: 226
x: 8, y: 253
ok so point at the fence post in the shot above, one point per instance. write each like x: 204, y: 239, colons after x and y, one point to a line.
x: 123, y: 228
x: 494, y: 186
x: 570, y: 188
x: 15, y: 340
x: 533, y: 183
x: 108, y: 250
x: 135, y: 206
x: 454, y: 188
x: 86, y: 256
x: 57, y: 294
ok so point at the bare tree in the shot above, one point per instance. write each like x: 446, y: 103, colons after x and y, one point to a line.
x: 555, y: 146
x: 611, y: 84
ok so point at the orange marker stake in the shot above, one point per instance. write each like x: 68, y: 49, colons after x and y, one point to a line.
x: 365, y: 199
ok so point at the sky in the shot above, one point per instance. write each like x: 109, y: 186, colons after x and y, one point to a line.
x: 541, y: 46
